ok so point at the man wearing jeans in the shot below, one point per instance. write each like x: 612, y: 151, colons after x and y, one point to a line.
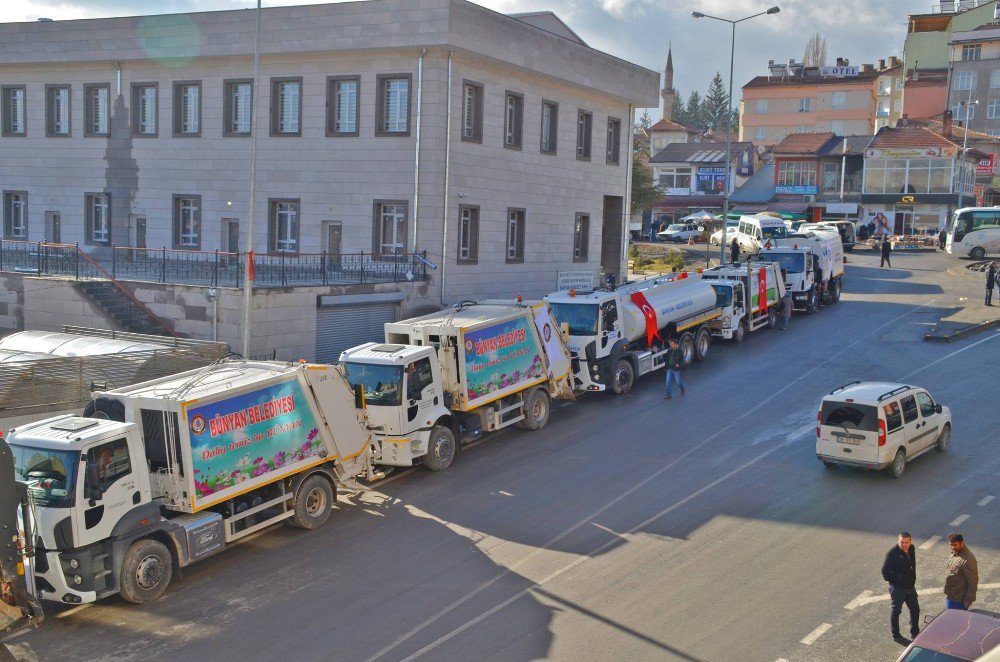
x: 674, y: 361
x: 962, y: 578
x: 900, y: 570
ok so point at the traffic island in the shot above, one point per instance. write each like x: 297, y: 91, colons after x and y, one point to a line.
x: 963, y: 323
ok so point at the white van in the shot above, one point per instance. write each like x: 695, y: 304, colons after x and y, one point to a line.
x: 754, y: 232
x: 880, y: 425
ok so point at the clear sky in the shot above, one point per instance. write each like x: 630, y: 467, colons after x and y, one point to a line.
x: 636, y: 30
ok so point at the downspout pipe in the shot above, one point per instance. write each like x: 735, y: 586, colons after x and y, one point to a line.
x: 447, y: 180
x: 627, y: 210
x: 416, y: 148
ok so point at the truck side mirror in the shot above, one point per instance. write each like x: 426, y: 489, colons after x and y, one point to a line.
x: 359, y: 396
x: 94, y: 491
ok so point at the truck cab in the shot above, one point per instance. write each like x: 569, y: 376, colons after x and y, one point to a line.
x: 801, y: 270
x: 595, y: 329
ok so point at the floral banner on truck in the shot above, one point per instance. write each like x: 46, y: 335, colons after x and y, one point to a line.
x: 499, y: 357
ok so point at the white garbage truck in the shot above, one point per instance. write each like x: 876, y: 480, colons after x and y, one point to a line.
x: 617, y: 335
x: 812, y: 266
x: 448, y: 377
x: 168, y: 472
x: 749, y: 293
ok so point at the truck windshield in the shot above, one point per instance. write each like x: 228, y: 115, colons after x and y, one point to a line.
x: 50, y: 475
x: 775, y: 232
x: 723, y: 295
x: 580, y: 317
x: 382, y: 383
x: 793, y: 263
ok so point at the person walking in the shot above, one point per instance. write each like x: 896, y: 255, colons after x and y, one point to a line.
x: 942, y: 239
x: 962, y: 578
x: 674, y: 361
x: 734, y: 250
x: 786, y: 309
x: 900, y: 570
x: 991, y: 282
x: 886, y: 252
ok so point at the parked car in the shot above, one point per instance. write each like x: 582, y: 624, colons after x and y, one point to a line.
x: 716, y: 237
x: 955, y: 635
x: 680, y: 232
x: 880, y: 425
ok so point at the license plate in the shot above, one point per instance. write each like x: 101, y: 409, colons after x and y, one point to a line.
x: 853, y: 439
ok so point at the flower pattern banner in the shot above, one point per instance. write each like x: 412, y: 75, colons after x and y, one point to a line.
x: 240, y: 439
x: 501, y: 356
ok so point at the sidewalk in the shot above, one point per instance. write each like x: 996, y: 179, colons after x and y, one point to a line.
x: 972, y: 318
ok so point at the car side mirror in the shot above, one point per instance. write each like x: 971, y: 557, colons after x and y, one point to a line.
x: 938, y: 409
x: 94, y: 491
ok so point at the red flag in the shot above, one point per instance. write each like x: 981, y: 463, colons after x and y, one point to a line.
x: 762, y: 289
x: 652, y: 330
x: 250, y: 266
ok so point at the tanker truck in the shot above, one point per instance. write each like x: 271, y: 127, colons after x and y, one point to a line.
x: 617, y: 335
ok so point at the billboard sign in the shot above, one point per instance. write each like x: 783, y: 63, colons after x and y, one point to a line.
x: 986, y: 166
x: 500, y: 359
x: 839, y: 71
x: 711, y: 179
x: 796, y: 190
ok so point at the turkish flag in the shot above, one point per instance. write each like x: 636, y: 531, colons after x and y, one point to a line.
x: 762, y: 289
x: 652, y: 330
x: 250, y: 266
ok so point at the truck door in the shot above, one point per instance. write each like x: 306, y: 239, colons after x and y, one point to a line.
x: 423, y: 391
x: 609, y: 324
x: 739, y: 299
x: 107, y: 490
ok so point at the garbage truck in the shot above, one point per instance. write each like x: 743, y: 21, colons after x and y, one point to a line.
x: 812, y: 266
x: 620, y: 333
x: 450, y: 377
x: 165, y: 473
x: 748, y: 293
x: 19, y: 608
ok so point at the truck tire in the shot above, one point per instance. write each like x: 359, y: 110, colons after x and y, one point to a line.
x: 977, y: 253
x: 537, y: 408
x: 740, y: 332
x: 313, y: 503
x: 702, y: 343
x: 772, y: 318
x: 835, y: 290
x: 687, y: 347
x: 812, y: 301
x: 623, y: 377
x: 441, y: 448
x: 898, y: 466
x: 146, y: 571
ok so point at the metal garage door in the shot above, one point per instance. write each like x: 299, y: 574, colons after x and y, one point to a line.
x: 341, y: 327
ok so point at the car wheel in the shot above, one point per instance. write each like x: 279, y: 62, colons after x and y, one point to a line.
x: 977, y: 253
x: 898, y: 465
x: 944, y: 439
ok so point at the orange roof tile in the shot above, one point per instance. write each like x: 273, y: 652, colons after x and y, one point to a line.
x: 670, y: 125
x: 909, y: 136
x: 803, y: 143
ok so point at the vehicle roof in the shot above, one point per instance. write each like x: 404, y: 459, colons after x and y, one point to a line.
x: 210, y: 380
x: 764, y: 220
x: 866, y: 392
x: 623, y: 290
x: 384, y: 353
x: 964, y: 634
x: 46, y: 433
x: 462, y: 317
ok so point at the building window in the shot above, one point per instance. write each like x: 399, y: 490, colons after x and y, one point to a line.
x: 283, y: 226
x: 515, y: 235
x: 995, y: 79
x: 581, y: 235
x: 187, y: 222
x: 831, y: 176
x: 883, y: 109
x: 797, y: 173
x: 96, y: 109
x: 671, y: 178
x: 805, y: 105
x: 614, y: 140
x: 971, y: 52
x: 584, y: 126
x: 13, y: 110
x: 57, y: 111
x: 187, y: 109
x: 550, y: 127
x: 468, y: 234
x: 237, y: 108
x: 472, y: 112
x: 761, y: 106
x: 839, y: 100
x: 513, y: 120
x: 965, y: 80
x: 389, y: 228
x: 286, y: 106
x: 15, y: 215
x: 144, y: 109
x: 97, y: 216
x: 392, y: 105
x: 342, y: 105
x: 838, y: 127
x: 897, y: 106
x: 803, y: 128
x: 909, y: 175
x: 993, y: 109
x: 760, y: 134
x: 963, y: 112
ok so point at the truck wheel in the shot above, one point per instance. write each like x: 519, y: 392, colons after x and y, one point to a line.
x: 440, y: 448
x: 812, y: 302
x: 702, y: 343
x: 313, y: 503
x: 624, y: 377
x: 772, y: 318
x: 977, y: 253
x: 835, y: 290
x: 740, y: 332
x: 536, y: 409
x: 898, y: 465
x: 686, y: 345
x: 146, y: 571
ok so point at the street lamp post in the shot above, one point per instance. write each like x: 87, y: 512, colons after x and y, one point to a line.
x: 967, y: 105
x: 729, y: 118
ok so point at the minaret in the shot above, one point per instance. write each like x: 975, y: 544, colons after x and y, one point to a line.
x: 668, y: 93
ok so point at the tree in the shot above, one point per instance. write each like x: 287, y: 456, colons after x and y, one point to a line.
x: 815, y: 53
x: 715, y: 106
x: 693, y: 115
x: 645, y: 121
x: 645, y: 193
x: 677, y: 110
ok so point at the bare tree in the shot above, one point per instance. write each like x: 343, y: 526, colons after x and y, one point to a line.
x: 815, y: 53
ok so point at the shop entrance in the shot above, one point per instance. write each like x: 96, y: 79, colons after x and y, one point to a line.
x: 904, y: 219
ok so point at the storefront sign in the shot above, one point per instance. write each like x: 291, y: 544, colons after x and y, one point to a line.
x: 839, y: 71
x: 576, y: 280
x: 796, y: 190
x: 842, y: 207
x: 711, y: 179
x: 906, y: 153
x: 745, y: 167
x: 977, y: 191
x: 986, y: 166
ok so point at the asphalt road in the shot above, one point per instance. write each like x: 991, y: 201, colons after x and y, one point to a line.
x: 702, y: 528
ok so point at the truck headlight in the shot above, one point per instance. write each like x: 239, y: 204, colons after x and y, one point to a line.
x: 726, y: 321
x: 77, y: 579
x: 74, y: 563
x: 593, y: 369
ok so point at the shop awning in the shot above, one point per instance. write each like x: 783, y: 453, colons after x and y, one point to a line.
x: 789, y: 207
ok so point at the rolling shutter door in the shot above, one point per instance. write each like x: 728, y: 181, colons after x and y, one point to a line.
x: 341, y: 327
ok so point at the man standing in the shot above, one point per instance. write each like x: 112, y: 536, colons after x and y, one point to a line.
x: 942, y: 239
x: 674, y: 361
x: 991, y: 282
x: 962, y: 579
x: 734, y: 250
x: 786, y: 309
x: 886, y: 251
x: 900, y: 570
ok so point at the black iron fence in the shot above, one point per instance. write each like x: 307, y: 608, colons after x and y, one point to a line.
x: 209, y: 268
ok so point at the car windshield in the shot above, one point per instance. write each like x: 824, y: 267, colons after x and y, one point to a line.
x: 791, y: 262
x: 918, y: 654
x: 850, y: 415
x: 775, y: 232
x: 675, y: 226
x: 723, y: 295
x: 581, y: 318
x: 50, y: 475
x: 382, y: 383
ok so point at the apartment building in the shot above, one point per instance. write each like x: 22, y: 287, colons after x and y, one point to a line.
x: 974, y: 95
x: 480, y: 152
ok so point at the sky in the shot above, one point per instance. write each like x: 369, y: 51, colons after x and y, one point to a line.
x: 636, y: 30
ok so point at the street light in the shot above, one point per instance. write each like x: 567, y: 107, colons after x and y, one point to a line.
x: 967, y: 105
x: 729, y: 117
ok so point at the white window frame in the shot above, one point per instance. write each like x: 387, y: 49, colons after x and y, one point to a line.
x: 60, y: 110
x: 289, y: 98
x: 286, y: 221
x: 16, y: 100
x: 345, y: 101
x: 466, y: 234
x: 995, y: 79
x: 513, y: 234
x: 958, y: 112
x: 396, y: 106
x: 673, y: 172
x: 188, y: 232
x: 805, y: 104
x: 993, y: 109
x: 839, y: 100
x: 838, y: 127
x: 965, y: 80
x: 98, y: 98
x: 761, y: 107
x: 972, y: 52
x: 392, y: 216
x: 760, y: 133
x: 146, y: 113
x: 100, y: 227
x: 17, y: 213
x: 190, y: 109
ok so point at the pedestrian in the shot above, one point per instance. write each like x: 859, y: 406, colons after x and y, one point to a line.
x: 674, y: 361
x: 942, y: 239
x: 734, y: 250
x: 962, y: 579
x: 786, y: 309
x: 871, y: 228
x: 991, y: 282
x: 862, y: 232
x: 900, y: 570
x: 886, y: 251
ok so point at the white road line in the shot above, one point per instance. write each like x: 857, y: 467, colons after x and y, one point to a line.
x: 815, y: 634
x: 905, y: 378
x: 863, y: 599
x: 858, y: 601
x: 930, y: 542
x: 985, y: 501
x: 958, y: 520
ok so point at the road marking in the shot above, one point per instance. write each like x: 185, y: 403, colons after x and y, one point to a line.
x: 505, y: 493
x: 858, y: 601
x: 930, y: 542
x: 945, y: 358
x: 74, y: 610
x: 781, y: 659
x: 863, y: 599
x: 985, y: 501
x: 958, y: 520
x: 815, y: 634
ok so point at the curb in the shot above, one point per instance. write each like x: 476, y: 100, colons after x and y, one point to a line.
x: 963, y: 332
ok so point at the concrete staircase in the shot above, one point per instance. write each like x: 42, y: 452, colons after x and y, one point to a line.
x: 123, y: 308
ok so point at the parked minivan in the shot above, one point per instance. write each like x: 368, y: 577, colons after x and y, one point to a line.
x: 880, y: 425
x: 754, y: 232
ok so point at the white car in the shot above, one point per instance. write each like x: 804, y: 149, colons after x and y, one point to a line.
x: 880, y: 425
x: 679, y: 232
x: 716, y: 237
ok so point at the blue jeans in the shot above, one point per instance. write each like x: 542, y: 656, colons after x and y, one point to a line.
x: 954, y: 604
x: 674, y: 375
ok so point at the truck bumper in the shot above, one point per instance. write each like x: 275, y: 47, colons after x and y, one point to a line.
x: 56, y: 585
x: 586, y: 379
x: 402, y: 451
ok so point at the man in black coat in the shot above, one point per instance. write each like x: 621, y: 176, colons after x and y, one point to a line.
x: 991, y: 282
x: 900, y: 570
x: 734, y: 250
x: 886, y: 251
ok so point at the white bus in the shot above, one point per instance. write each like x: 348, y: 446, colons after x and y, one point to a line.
x: 974, y: 231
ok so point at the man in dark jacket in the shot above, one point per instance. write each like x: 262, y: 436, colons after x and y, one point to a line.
x: 991, y: 282
x: 734, y: 250
x: 886, y: 251
x: 900, y: 570
x: 674, y: 361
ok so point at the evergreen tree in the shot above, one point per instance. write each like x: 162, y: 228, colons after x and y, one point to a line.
x: 679, y: 113
x: 645, y: 193
x: 645, y: 121
x: 693, y: 114
x: 715, y: 106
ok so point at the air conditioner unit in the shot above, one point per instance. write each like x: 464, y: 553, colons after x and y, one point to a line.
x: 808, y: 198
